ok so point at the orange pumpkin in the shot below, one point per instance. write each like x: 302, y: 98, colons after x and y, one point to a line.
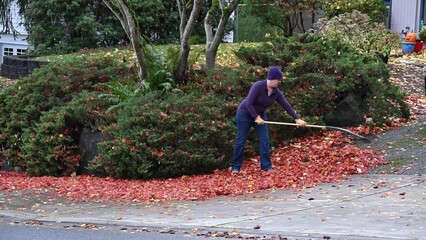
x: 410, y: 37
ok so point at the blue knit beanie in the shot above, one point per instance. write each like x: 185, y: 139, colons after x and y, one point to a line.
x: 275, y: 74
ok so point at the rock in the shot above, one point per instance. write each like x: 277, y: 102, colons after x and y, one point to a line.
x: 347, y: 113
x: 88, y: 149
x: 6, y: 165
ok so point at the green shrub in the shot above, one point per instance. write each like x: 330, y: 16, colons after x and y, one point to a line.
x: 231, y: 83
x: 267, y: 54
x: 376, y: 9
x: 51, y: 146
x: 167, y: 136
x: 422, y: 35
x: 253, y: 27
x: 321, y: 73
x: 356, y: 29
x: 160, y: 68
x: 52, y: 85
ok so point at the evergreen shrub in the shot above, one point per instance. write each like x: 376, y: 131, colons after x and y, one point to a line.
x: 54, y: 85
x: 321, y: 73
x: 167, y: 135
x: 357, y: 29
x: 51, y: 146
x: 375, y: 9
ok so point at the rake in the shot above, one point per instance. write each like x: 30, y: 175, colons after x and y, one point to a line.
x: 322, y: 127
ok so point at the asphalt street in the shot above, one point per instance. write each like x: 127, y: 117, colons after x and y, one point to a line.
x: 370, y: 206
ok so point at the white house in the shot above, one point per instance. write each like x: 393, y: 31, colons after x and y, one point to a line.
x: 406, y: 15
x: 14, y: 45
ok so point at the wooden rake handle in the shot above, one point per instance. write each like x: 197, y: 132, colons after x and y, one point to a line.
x: 322, y: 127
x: 295, y: 124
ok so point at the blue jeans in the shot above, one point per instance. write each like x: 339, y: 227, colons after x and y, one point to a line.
x: 244, y: 123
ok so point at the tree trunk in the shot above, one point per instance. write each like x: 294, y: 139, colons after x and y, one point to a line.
x: 123, y: 13
x: 183, y: 15
x: 185, y: 48
x: 213, y: 40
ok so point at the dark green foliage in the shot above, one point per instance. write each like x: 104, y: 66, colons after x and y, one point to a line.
x: 422, y: 35
x: 67, y: 26
x: 52, y: 85
x: 251, y: 27
x: 50, y: 147
x: 267, y: 54
x: 160, y: 69
x: 260, y: 18
x: 232, y: 84
x: 167, y: 136
x: 158, y: 20
x: 61, y: 27
x: 321, y: 73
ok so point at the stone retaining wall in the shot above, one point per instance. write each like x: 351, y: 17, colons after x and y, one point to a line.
x: 14, y: 67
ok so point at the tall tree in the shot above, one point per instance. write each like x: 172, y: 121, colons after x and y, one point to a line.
x: 62, y: 27
x: 214, y: 38
x: 121, y: 9
x: 286, y: 15
x: 187, y: 24
x: 157, y: 20
x: 58, y: 26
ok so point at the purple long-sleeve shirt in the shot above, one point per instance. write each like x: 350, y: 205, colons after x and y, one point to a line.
x: 258, y: 100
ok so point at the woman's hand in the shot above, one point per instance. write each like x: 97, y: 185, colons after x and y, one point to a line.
x: 301, y: 123
x: 259, y: 120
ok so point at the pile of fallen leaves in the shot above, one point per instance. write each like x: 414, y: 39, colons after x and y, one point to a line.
x: 324, y: 157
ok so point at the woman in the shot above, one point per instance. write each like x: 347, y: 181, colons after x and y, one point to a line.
x: 251, y: 113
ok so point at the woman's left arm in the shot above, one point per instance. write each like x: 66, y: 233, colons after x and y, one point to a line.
x: 286, y: 105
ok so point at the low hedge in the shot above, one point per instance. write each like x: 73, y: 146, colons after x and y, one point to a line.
x: 167, y: 136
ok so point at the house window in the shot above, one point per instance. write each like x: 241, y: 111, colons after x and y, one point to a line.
x: 21, y: 51
x: 8, y: 51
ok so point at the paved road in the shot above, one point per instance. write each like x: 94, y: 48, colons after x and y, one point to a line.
x: 33, y: 231
x: 363, y: 207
